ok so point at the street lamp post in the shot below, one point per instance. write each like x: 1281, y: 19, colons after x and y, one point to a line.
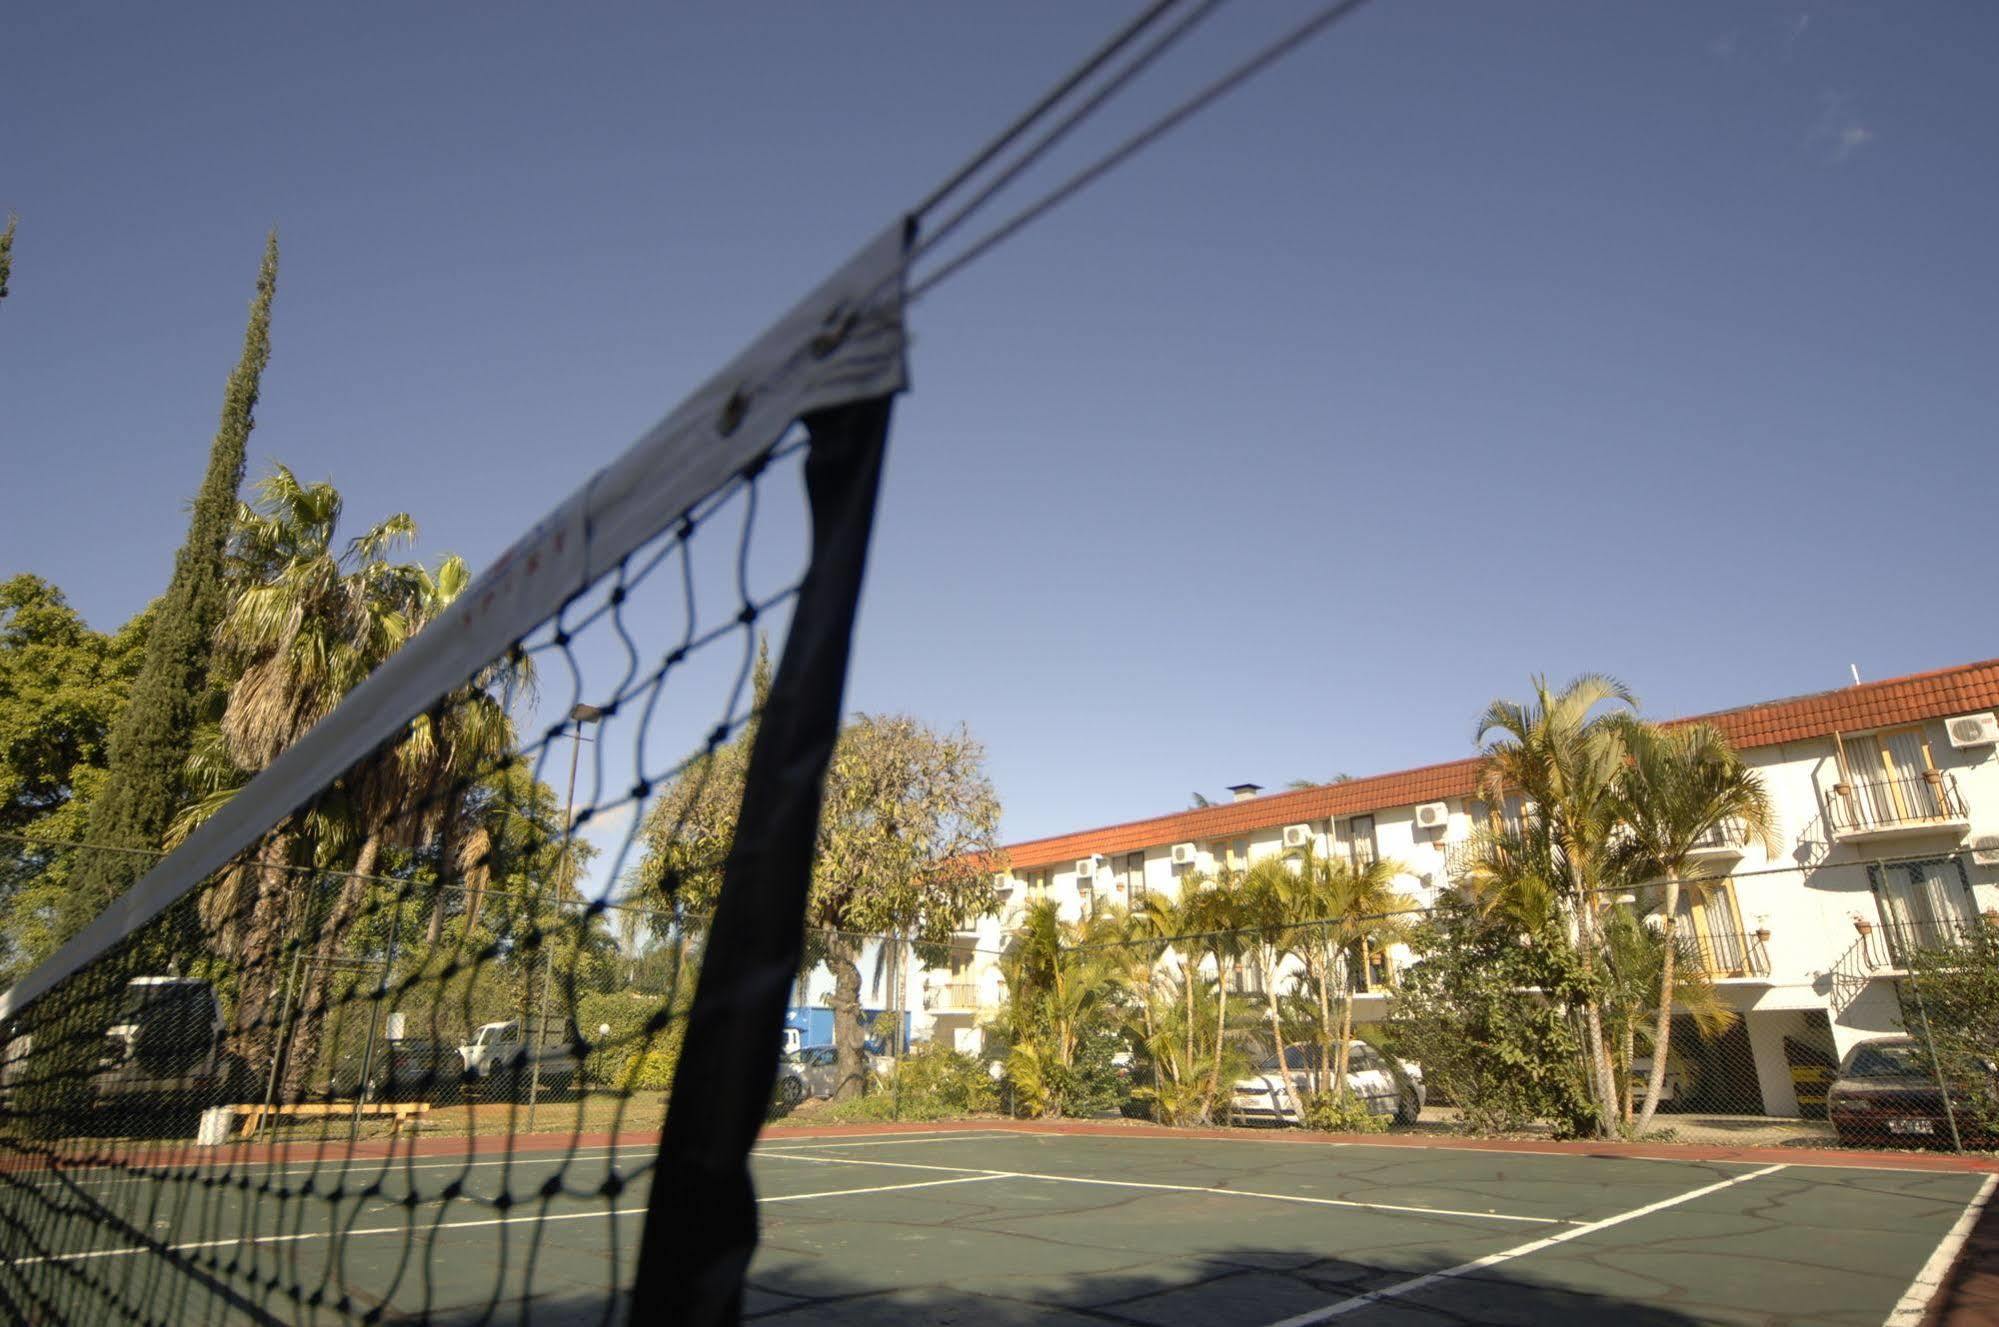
x: 579, y: 714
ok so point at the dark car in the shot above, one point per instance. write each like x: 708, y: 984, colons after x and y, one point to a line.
x: 406, y: 1069
x: 1886, y: 1095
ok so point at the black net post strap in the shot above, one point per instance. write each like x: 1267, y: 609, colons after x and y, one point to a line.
x: 701, y: 1219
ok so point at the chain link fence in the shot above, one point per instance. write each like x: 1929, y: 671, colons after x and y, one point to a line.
x: 1851, y: 1004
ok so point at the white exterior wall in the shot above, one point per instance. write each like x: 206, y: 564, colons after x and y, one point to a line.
x: 1808, y: 894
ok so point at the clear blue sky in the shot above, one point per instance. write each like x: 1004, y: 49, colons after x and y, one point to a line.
x: 1477, y: 340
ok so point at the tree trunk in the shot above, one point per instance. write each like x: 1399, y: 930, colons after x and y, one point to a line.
x: 1221, y: 1027
x: 1662, y: 1031
x: 259, y: 930
x: 1277, y: 1036
x: 1323, y: 1077
x: 843, y: 957
x: 1187, y: 981
x: 1623, y: 1068
x: 1343, y: 1053
x: 447, y: 868
x: 1603, y: 1089
x: 317, y: 986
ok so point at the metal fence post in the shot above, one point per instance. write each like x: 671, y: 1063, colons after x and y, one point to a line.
x: 1936, y: 1062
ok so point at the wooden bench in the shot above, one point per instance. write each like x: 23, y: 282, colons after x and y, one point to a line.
x: 404, y: 1112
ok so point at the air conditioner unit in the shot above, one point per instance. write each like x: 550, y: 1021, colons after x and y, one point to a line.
x: 1297, y: 836
x: 1433, y: 815
x: 1973, y: 730
x: 1183, y: 854
x: 1985, y: 850
x: 1086, y: 868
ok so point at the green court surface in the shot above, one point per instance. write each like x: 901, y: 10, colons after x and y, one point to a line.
x: 1008, y: 1226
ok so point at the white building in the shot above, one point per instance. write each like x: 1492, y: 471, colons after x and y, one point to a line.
x: 1887, y: 800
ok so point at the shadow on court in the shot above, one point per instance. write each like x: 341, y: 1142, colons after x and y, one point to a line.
x: 1244, y: 1287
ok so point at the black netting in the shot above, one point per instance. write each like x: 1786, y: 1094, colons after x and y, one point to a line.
x: 408, y: 1054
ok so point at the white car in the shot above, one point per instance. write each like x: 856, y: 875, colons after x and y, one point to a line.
x: 1391, y: 1089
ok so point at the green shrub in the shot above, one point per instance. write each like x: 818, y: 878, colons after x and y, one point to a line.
x: 1341, y: 1112
x: 937, y: 1077
x: 625, y: 1058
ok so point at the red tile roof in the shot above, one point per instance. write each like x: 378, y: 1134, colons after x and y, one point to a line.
x: 1871, y: 705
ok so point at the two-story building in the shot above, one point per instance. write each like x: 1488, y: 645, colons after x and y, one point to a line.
x: 1887, y: 802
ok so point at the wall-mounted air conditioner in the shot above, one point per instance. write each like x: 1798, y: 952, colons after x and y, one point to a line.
x: 1183, y: 854
x: 1973, y: 730
x: 1297, y: 836
x: 1985, y: 850
x: 1086, y: 868
x: 1433, y: 815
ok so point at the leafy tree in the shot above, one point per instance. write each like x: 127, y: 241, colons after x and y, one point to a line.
x: 1482, y: 1008
x: 907, y: 845
x: 1064, y: 997
x: 62, y: 686
x: 149, y: 743
x: 7, y: 252
x: 1950, y: 1005
x: 1677, y: 786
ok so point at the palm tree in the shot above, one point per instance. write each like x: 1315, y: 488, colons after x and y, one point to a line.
x: 1360, y: 913
x: 308, y: 623
x: 1268, y: 907
x: 1213, y: 912
x: 1678, y: 786
x: 1562, y: 753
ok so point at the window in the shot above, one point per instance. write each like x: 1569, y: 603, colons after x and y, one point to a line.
x: 1706, y: 919
x: 1926, y: 905
x: 1889, y: 773
x: 1131, y: 874
x: 1360, y: 841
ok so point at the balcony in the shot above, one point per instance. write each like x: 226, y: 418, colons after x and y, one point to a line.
x: 1886, y: 808
x: 1459, y: 858
x: 1726, y: 955
x: 952, y: 997
x: 1885, y: 947
x: 1724, y: 842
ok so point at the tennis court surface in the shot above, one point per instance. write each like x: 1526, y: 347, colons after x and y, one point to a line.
x: 1022, y: 1226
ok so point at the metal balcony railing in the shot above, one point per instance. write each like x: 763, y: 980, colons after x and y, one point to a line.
x: 954, y: 995
x: 1725, y: 836
x: 1889, y: 944
x: 1459, y: 857
x: 1722, y: 954
x: 1865, y: 806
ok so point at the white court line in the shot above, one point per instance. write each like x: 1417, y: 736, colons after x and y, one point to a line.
x: 1402, y: 1288
x: 426, y: 1231
x: 1181, y: 1188
x: 647, y: 1151
x: 1916, y: 1299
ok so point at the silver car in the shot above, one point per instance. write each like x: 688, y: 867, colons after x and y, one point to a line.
x: 1393, y: 1089
x: 809, y: 1071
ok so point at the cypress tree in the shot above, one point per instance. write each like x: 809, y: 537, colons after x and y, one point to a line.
x: 149, y: 744
x: 7, y: 252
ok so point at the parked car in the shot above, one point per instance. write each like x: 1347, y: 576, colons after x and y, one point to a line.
x: 813, y: 1071
x: 1676, y: 1086
x: 406, y: 1069
x: 505, y: 1061
x: 1887, y: 1094
x: 1388, y: 1087
x: 164, y: 1051
x: 809, y: 1071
